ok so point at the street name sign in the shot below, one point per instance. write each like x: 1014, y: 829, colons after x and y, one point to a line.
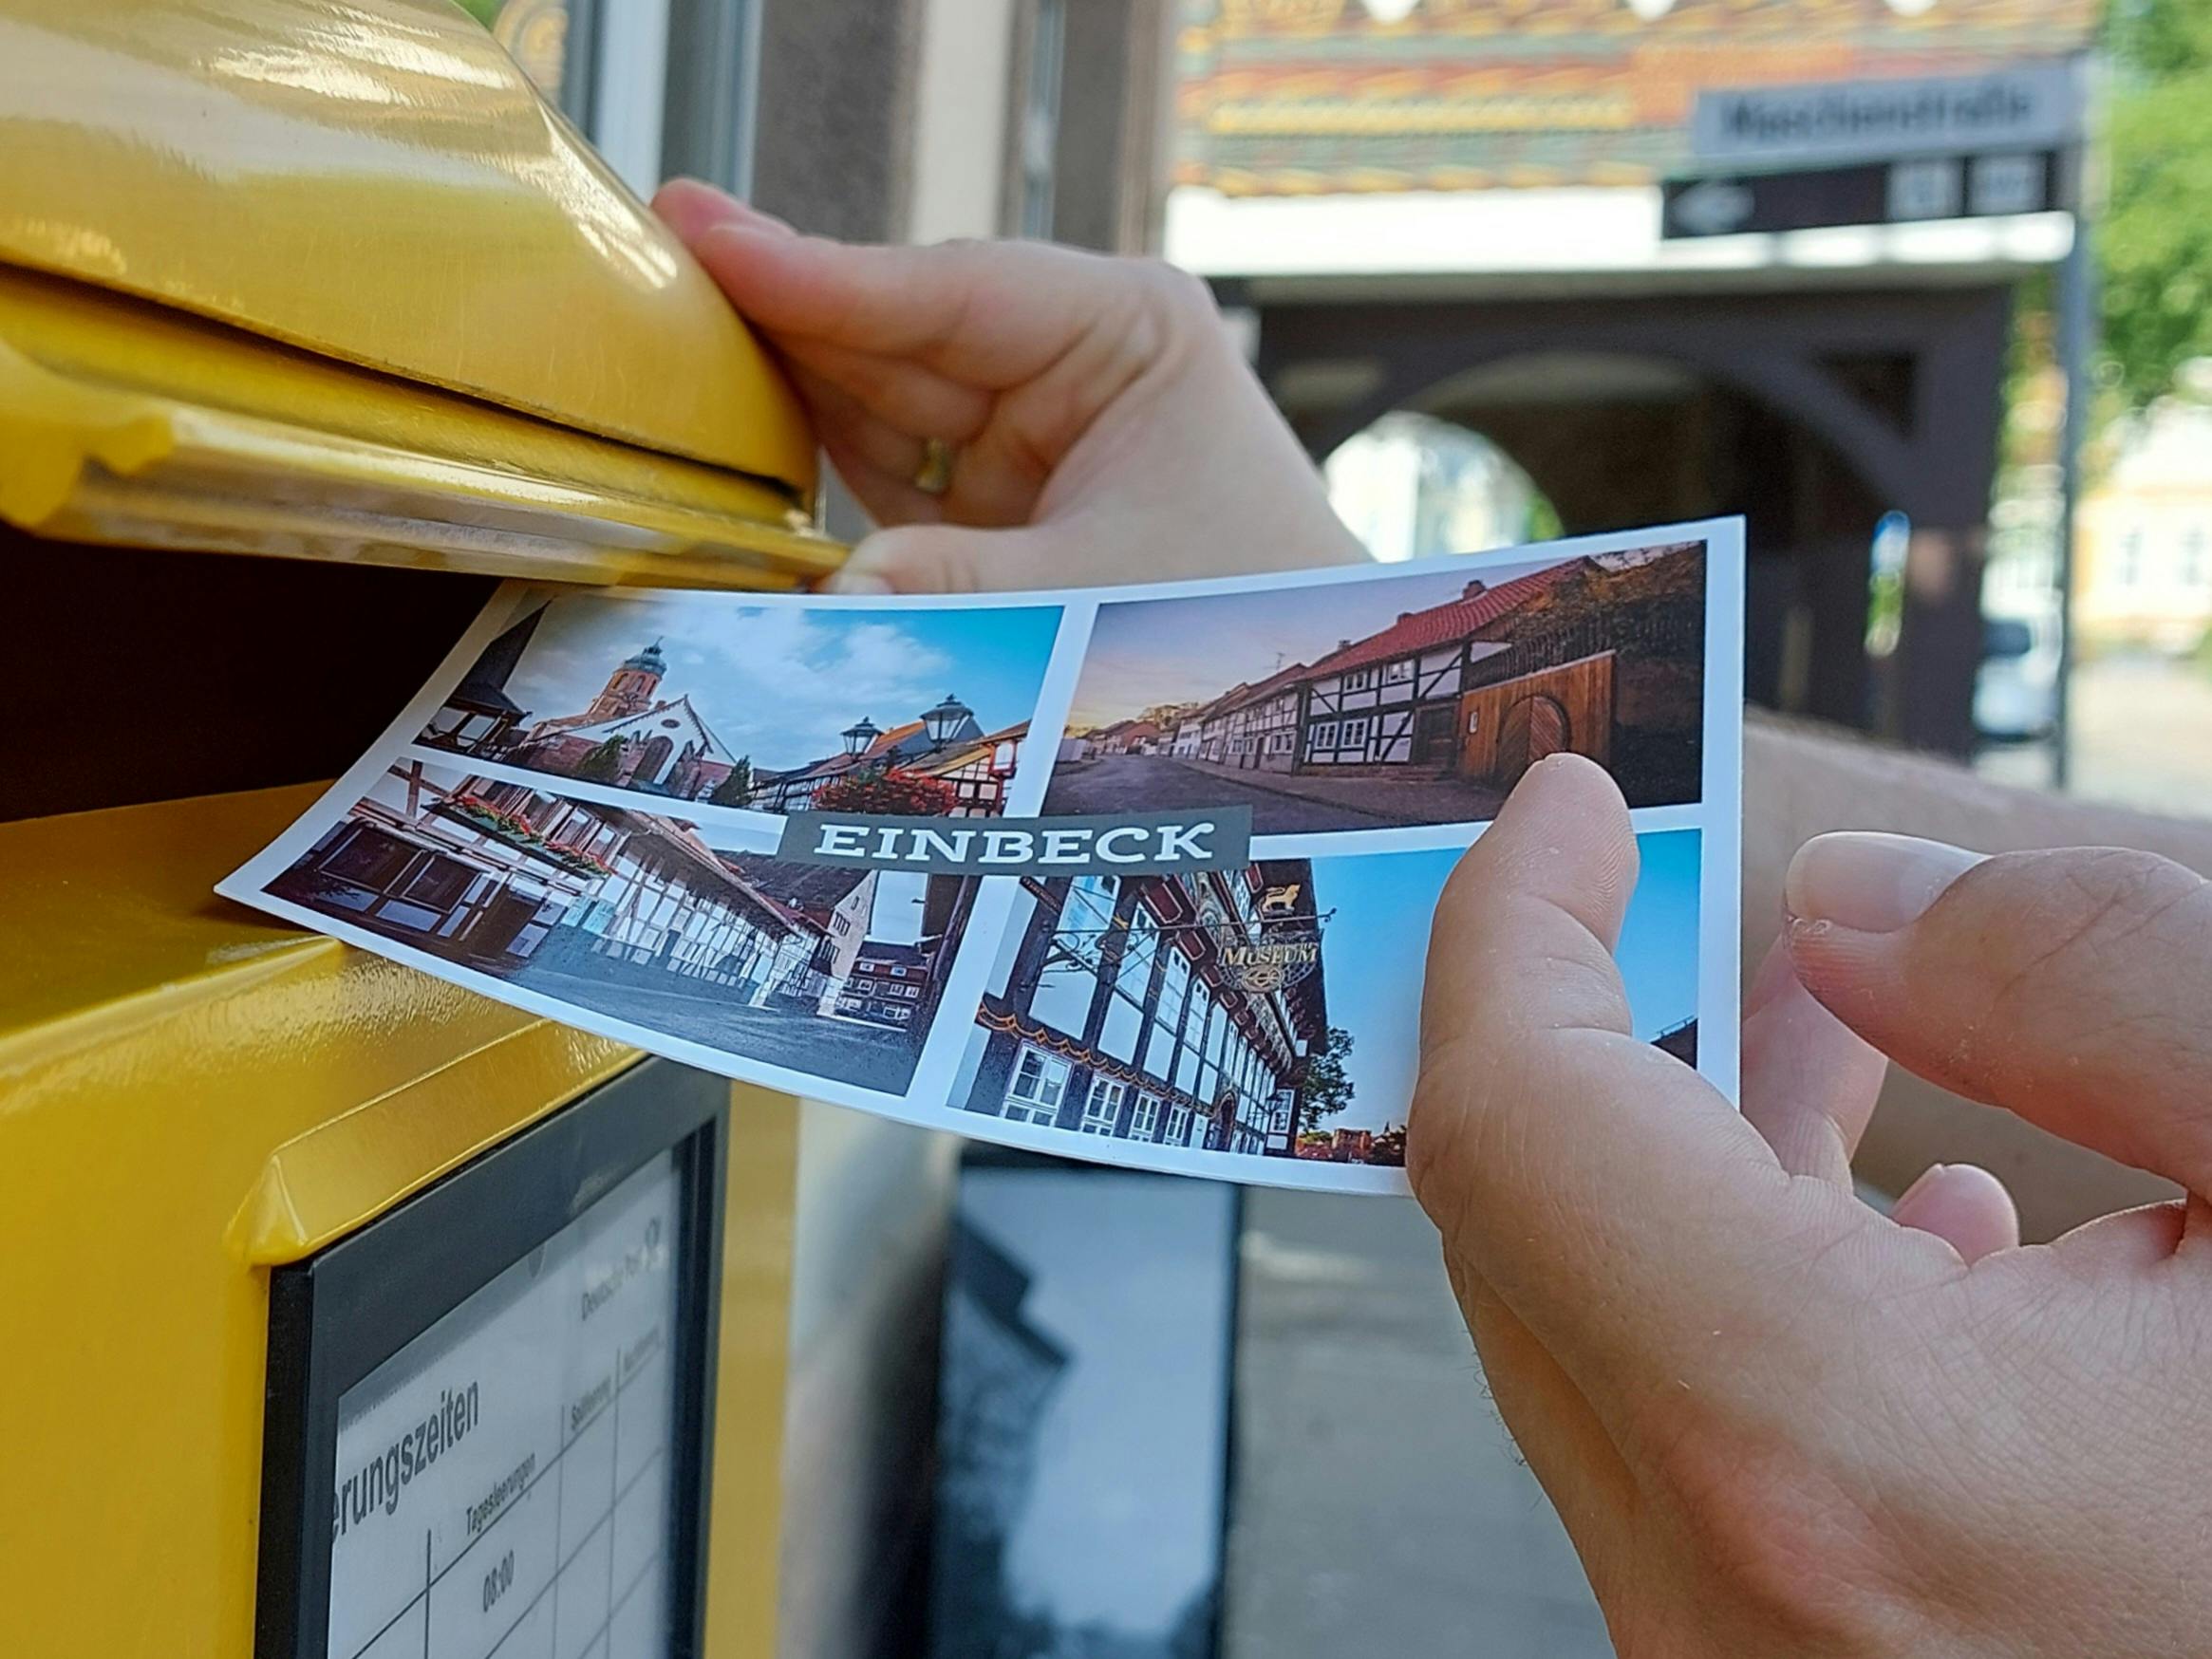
x: 2028, y: 107
x: 1873, y: 193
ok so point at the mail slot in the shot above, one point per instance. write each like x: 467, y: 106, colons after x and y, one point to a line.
x: 350, y: 1313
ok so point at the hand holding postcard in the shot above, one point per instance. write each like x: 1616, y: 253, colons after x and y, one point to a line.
x: 1138, y: 874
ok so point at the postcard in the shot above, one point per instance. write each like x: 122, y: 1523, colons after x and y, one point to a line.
x: 1141, y: 875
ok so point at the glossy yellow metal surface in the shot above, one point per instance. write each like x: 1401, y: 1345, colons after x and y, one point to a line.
x: 189, y: 1093
x: 374, y: 182
x: 122, y: 423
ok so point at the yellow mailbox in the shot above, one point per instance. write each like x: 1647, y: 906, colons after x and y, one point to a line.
x: 347, y: 1313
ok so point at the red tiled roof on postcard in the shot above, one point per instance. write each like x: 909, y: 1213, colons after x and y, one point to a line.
x: 1477, y: 608
x: 896, y: 735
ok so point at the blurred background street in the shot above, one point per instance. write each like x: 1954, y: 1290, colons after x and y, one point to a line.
x: 1378, y: 1505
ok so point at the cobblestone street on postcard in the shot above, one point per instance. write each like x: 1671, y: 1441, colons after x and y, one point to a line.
x: 849, y: 1051
x: 1281, y: 803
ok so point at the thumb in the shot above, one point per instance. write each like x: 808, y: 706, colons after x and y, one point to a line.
x: 2073, y: 987
x: 1602, y: 1190
x: 949, y: 558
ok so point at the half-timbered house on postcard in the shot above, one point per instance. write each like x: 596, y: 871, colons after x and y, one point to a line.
x: 1178, y: 1010
x: 1393, y: 697
x: 1260, y: 723
x: 1601, y: 656
x: 506, y: 878
x: 979, y: 771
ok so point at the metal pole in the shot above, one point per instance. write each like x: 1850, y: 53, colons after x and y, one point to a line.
x: 2076, y: 306
x: 2076, y: 324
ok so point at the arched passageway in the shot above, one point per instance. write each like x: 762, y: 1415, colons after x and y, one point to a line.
x: 1810, y: 414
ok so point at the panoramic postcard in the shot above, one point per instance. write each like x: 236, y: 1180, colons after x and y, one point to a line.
x: 1138, y: 875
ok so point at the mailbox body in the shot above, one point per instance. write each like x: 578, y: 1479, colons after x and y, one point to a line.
x: 316, y: 300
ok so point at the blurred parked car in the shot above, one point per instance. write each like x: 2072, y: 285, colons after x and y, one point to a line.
x: 2016, y: 691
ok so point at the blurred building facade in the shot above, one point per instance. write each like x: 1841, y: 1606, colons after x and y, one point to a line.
x: 2143, y: 567
x: 1450, y: 208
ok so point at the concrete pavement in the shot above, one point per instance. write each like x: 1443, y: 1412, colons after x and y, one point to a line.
x: 1379, y: 1508
x: 2142, y: 737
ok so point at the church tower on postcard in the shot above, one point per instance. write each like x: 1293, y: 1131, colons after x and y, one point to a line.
x: 630, y: 689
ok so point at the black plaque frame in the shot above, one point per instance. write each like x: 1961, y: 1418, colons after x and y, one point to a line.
x: 988, y: 1157
x: 337, y: 1315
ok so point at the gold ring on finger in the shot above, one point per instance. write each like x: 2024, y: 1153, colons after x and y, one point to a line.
x: 933, y: 477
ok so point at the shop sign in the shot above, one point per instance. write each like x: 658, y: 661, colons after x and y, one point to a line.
x: 1272, y: 964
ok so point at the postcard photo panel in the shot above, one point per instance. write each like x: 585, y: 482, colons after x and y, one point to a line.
x: 777, y: 707
x: 1395, y: 700
x: 648, y: 921
x: 1225, y: 1018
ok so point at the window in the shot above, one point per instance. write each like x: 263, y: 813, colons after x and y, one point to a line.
x: 1398, y: 673
x: 1179, y: 1125
x: 1360, y: 680
x: 1147, y: 1117
x: 2130, y: 570
x: 440, y: 881
x: 1354, y: 735
x: 1103, y: 1106
x: 1324, y: 735
x: 899, y: 972
x: 370, y: 858
x: 1137, y: 950
x: 1040, y: 1080
x: 2193, y: 557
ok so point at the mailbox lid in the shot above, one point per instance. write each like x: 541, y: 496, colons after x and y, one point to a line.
x: 374, y: 181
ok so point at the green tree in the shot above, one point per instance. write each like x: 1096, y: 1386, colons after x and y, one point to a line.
x: 2155, y: 241
x: 602, y: 763
x: 737, y: 789
x: 1326, y: 1090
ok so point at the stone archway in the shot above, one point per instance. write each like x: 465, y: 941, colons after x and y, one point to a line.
x: 1810, y: 413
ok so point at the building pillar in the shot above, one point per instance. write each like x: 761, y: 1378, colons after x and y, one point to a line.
x: 996, y: 1070
x: 1146, y: 1016
x: 1176, y: 1052
x: 1110, y: 951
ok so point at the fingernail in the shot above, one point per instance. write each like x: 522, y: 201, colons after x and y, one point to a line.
x: 1926, y: 1176
x: 1870, y: 882
x: 857, y: 584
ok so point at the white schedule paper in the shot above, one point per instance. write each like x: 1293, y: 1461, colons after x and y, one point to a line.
x: 503, y: 1482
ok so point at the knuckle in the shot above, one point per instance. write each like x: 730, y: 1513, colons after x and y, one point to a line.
x: 1451, y: 1101
x: 2110, y: 935
x: 1176, y: 287
x: 2092, y: 895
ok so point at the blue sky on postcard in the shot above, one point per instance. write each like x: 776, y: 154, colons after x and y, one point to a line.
x: 1374, y: 947
x: 779, y: 683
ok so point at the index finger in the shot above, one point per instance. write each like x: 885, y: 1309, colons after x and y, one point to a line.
x: 991, y: 315
x: 1607, y: 1194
